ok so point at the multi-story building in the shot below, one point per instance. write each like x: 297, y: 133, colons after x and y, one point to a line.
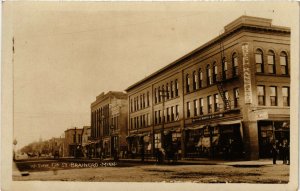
x: 109, y: 123
x: 229, y: 97
x: 86, y: 134
x: 72, y: 142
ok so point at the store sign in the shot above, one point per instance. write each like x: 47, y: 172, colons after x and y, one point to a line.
x: 247, y: 74
x: 261, y: 115
x: 206, y: 117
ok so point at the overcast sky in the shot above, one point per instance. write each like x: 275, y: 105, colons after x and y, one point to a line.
x: 68, y: 53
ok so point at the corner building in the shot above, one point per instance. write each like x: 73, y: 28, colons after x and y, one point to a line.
x: 227, y: 99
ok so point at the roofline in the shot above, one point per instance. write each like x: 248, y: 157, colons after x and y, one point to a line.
x: 209, y: 43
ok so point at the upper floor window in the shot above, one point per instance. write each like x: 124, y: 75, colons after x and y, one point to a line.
x: 273, y: 96
x: 131, y: 105
x: 236, y: 96
x: 259, y: 61
x: 283, y: 63
x: 201, y: 103
x: 141, y: 101
x: 261, y: 95
x: 155, y: 95
x: 195, y: 107
x: 177, y: 112
x: 215, y: 72
x: 159, y: 94
x: 216, y: 102
x: 200, y: 76
x: 224, y: 68
x: 168, y: 91
x: 208, y: 75
x: 188, y: 109
x: 172, y: 89
x: 286, y: 96
x: 271, y: 62
x: 209, y: 104
x: 187, y: 80
x: 194, y: 80
x: 176, y: 87
x: 148, y: 99
x: 168, y: 114
x: 172, y: 113
x: 144, y: 101
x: 235, y: 65
x: 163, y: 93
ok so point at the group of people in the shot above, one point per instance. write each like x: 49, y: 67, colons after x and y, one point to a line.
x: 281, y: 151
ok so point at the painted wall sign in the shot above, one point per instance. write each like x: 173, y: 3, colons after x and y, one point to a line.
x: 247, y: 74
x: 206, y: 117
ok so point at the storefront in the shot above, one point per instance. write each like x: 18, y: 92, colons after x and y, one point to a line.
x: 271, y: 132
x: 138, y: 144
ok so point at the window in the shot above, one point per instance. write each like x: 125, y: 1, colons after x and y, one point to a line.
x: 172, y: 113
x: 194, y: 80
x: 141, y: 101
x: 195, y: 107
x: 209, y: 104
x: 163, y: 93
x: 144, y: 102
x: 155, y: 95
x: 235, y: 65
x: 187, y: 80
x: 261, y: 95
x: 155, y: 118
x: 224, y: 68
x: 259, y: 61
x: 168, y: 91
x: 157, y: 140
x: 208, y: 75
x: 168, y: 114
x: 137, y: 103
x: 177, y: 112
x: 172, y: 89
x: 201, y: 106
x: 283, y: 63
x: 137, y: 122
x: 176, y: 87
x: 141, y: 121
x: 148, y: 119
x: 159, y: 116
x: 158, y: 94
x: 271, y: 62
x: 131, y: 123
x: 273, y: 96
x: 216, y: 102
x: 188, y: 109
x: 236, y: 97
x: 200, y: 76
x: 131, y: 106
x: 286, y: 96
x: 74, y: 138
x: 215, y: 72
x: 148, y: 99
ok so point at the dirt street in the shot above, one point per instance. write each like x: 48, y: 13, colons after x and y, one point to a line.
x: 180, y: 173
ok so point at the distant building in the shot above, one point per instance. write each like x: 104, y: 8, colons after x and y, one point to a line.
x: 56, y: 146
x: 108, y: 124
x: 86, y: 134
x: 73, y: 142
x: 228, y: 98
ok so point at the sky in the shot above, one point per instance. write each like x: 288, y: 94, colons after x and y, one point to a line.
x: 68, y: 53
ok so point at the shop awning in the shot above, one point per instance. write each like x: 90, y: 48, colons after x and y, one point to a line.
x: 196, y: 127
x: 230, y: 122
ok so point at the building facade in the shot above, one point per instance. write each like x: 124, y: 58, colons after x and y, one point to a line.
x: 86, y: 134
x: 109, y: 124
x: 228, y: 98
x: 73, y: 143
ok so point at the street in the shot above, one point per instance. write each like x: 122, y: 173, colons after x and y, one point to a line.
x: 229, y: 172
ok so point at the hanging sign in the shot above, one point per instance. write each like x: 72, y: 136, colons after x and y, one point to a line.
x: 247, y: 74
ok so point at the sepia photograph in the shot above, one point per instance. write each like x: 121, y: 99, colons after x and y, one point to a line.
x: 153, y: 95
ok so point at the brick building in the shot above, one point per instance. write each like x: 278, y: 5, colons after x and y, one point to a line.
x: 72, y: 142
x: 109, y: 124
x: 229, y: 97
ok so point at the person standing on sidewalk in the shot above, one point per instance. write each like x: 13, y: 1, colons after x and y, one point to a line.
x: 274, y: 152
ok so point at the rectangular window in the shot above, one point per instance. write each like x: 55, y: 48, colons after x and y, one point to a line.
x: 261, y: 95
x: 176, y: 88
x: 168, y: 91
x: 159, y: 116
x: 236, y: 97
x: 148, y: 119
x: 177, y: 112
x: 172, y: 89
x: 148, y: 99
x: 131, y: 106
x: 159, y: 94
x: 155, y: 95
x: 195, y: 107
x: 188, y: 109
x: 168, y: 114
x: 144, y: 103
x: 155, y: 118
x: 273, y: 96
x: 259, y: 62
x: 201, y: 101
x: 271, y: 64
x: 216, y: 102
x: 286, y: 96
x: 209, y: 104
x: 172, y: 113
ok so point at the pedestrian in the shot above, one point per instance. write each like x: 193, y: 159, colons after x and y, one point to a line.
x: 284, y: 152
x: 274, y: 152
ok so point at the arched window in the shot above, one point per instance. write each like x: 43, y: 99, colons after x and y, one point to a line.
x: 187, y: 80
x: 271, y: 62
x: 208, y: 75
x: 194, y: 80
x: 200, y: 76
x: 224, y: 68
x: 235, y: 65
x: 284, y: 63
x: 215, y: 72
x: 158, y: 94
x: 259, y: 61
